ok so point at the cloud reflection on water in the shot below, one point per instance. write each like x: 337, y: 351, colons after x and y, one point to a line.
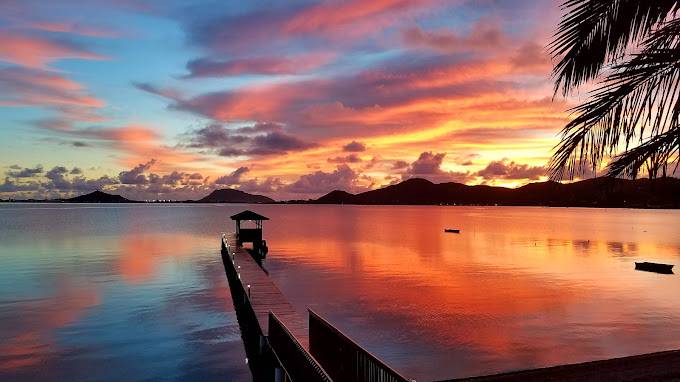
x: 517, y: 288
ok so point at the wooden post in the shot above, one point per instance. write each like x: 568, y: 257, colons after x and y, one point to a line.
x: 262, y: 344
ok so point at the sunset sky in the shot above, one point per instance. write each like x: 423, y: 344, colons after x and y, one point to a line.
x: 171, y: 99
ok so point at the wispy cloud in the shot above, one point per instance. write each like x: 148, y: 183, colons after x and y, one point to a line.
x: 37, y: 51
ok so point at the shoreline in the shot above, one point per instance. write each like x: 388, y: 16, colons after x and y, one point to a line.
x: 669, y: 208
x: 657, y: 366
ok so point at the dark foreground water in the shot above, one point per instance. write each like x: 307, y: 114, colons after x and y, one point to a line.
x: 138, y: 292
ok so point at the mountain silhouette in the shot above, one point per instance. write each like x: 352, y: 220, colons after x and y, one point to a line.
x: 230, y: 195
x: 336, y: 197
x: 597, y: 192
x: 98, y: 197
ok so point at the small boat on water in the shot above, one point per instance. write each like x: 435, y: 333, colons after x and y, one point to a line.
x: 451, y: 230
x: 654, y: 267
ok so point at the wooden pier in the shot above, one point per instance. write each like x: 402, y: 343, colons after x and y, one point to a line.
x: 264, y: 295
x: 275, y: 336
x: 260, y: 309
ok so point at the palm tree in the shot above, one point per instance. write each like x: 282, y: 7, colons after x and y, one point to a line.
x: 633, y: 116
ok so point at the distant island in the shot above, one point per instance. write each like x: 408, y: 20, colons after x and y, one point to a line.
x: 597, y: 192
x: 98, y: 197
x: 230, y: 195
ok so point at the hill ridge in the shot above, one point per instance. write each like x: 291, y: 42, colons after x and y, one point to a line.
x: 98, y: 197
x: 596, y: 192
x: 231, y: 195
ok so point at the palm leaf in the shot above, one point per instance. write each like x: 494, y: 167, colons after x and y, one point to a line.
x: 595, y: 32
x: 657, y: 153
x: 641, y: 98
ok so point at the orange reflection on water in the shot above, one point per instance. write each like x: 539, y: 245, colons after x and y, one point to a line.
x: 518, y: 288
x: 142, y: 254
x: 38, y: 319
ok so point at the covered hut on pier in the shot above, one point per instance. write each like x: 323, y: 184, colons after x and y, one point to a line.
x: 250, y: 235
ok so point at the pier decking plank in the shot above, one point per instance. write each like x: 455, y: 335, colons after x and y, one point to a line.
x: 265, y: 296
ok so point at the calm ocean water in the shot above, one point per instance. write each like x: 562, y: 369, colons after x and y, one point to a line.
x: 102, y: 293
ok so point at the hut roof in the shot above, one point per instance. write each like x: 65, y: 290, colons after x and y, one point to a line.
x: 248, y: 215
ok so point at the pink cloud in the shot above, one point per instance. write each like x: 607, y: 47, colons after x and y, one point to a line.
x: 328, y: 17
x: 343, y: 22
x: 127, y: 134
x: 29, y: 81
x: 254, y: 103
x: 37, y: 52
x: 396, y: 97
x: 39, y: 87
x: 73, y: 28
x: 410, y: 92
x: 135, y: 141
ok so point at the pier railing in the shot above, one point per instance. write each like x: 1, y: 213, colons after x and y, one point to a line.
x: 260, y: 359
x: 342, y: 358
x: 297, y: 363
x: 250, y: 329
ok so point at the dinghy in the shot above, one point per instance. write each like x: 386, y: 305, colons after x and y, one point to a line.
x: 654, y: 267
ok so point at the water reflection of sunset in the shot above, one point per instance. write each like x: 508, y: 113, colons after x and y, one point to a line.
x: 35, y: 321
x: 518, y: 287
x: 140, y: 254
x: 87, y: 293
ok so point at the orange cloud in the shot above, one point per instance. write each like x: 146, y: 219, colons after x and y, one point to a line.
x: 324, y: 17
x: 125, y: 134
x: 138, y: 143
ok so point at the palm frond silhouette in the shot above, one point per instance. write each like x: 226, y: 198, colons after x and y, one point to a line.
x: 632, y: 48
